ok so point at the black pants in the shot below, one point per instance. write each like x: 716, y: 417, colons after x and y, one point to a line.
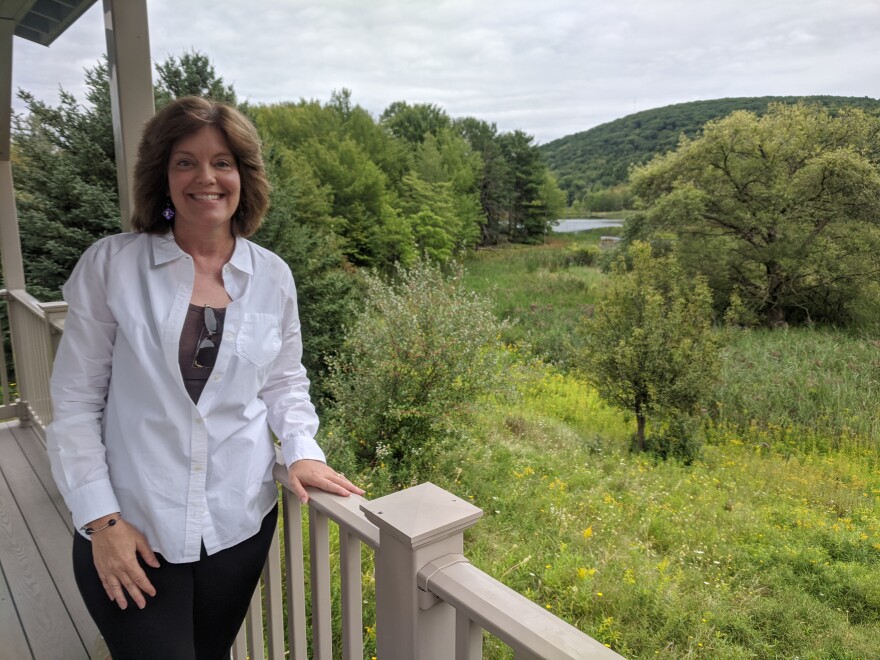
x: 198, y: 608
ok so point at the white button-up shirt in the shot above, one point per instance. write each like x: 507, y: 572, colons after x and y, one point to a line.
x: 127, y: 437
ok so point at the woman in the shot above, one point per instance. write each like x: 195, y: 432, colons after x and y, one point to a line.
x: 181, y: 351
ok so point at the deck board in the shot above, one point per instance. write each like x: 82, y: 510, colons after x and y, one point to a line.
x: 50, y: 528
x: 35, y: 560
x: 14, y: 641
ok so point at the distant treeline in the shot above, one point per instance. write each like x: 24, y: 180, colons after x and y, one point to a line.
x: 413, y: 182
x: 599, y: 159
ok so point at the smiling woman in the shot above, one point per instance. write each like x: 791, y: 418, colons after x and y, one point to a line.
x: 203, y: 182
x: 167, y: 466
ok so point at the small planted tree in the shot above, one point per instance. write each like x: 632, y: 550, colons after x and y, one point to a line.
x: 650, y: 348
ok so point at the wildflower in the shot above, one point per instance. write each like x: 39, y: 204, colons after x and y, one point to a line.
x: 588, y: 532
x: 599, y: 594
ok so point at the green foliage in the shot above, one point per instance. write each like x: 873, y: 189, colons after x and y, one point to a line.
x: 413, y: 123
x: 615, y: 198
x: 602, y: 156
x: 327, y: 288
x: 544, y: 291
x: 65, y: 181
x: 341, y: 151
x: 649, y: 347
x: 192, y: 74
x: 784, y: 209
x: 801, y: 389
x: 414, y: 365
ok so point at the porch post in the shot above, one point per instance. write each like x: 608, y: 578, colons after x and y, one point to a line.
x: 131, y: 88
x: 10, y: 245
x: 416, y: 526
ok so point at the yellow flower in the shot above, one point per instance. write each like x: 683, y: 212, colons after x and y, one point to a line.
x: 599, y: 594
x: 588, y: 532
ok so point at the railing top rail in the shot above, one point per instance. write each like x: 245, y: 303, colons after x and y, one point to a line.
x: 345, y: 511
x: 506, y: 614
x: 54, y: 311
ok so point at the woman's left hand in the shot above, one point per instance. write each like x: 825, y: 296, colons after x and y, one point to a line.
x: 307, y: 472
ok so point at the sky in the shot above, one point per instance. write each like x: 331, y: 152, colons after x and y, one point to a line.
x: 550, y: 68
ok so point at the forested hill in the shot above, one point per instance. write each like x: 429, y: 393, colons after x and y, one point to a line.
x: 601, y: 156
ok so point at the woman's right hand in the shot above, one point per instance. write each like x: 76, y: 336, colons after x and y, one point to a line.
x: 115, y: 550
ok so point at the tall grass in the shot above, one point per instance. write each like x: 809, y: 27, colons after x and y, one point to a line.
x: 817, y: 389
x: 747, y: 553
x: 544, y: 291
x: 767, y: 546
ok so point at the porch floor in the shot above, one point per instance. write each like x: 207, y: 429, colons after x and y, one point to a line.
x: 41, y: 613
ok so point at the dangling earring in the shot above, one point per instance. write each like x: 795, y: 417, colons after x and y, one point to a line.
x: 168, y: 213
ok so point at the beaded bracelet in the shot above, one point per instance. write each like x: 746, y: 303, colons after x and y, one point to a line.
x: 89, y: 531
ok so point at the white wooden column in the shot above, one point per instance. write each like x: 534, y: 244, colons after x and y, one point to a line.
x: 416, y: 526
x: 10, y: 245
x: 131, y: 87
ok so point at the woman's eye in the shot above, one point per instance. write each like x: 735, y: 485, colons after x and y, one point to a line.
x: 184, y: 162
x: 224, y: 164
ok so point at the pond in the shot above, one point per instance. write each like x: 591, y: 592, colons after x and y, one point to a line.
x: 583, y: 224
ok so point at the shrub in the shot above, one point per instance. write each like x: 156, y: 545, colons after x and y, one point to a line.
x: 414, y: 363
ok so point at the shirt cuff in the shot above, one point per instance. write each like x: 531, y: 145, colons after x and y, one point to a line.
x: 297, y: 448
x: 91, y: 501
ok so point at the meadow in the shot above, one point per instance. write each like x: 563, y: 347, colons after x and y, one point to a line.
x: 767, y: 546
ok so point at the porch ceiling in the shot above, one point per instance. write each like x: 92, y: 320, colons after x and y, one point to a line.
x: 42, y: 21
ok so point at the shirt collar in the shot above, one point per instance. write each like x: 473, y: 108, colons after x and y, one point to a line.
x: 166, y: 249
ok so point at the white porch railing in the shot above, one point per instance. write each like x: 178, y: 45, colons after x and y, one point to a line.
x: 431, y: 603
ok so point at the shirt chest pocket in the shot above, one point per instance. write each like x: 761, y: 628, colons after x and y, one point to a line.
x: 259, y: 338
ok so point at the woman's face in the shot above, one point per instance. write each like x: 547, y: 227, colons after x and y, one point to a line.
x: 203, y: 180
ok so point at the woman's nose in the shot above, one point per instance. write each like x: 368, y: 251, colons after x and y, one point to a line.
x: 205, y: 175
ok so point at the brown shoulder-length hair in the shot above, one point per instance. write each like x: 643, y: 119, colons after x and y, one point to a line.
x: 178, y: 119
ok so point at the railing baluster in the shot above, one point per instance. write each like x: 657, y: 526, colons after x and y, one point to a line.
x: 239, y: 647
x: 272, y: 599
x: 352, y: 596
x: 254, y: 625
x: 468, y: 638
x: 319, y: 550
x: 296, y: 588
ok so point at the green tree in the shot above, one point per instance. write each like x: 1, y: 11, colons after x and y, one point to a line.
x: 335, y: 143
x: 782, y: 209
x: 65, y: 181
x: 495, y: 176
x: 527, y: 219
x: 650, y: 347
x: 191, y: 74
x: 413, y: 122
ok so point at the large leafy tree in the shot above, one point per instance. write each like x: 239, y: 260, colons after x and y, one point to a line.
x: 782, y: 210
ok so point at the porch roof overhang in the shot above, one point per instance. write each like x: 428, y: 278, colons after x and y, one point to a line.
x: 42, y: 21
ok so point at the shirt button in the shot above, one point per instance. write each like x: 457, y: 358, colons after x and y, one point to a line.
x: 200, y: 421
x: 198, y: 468
x: 228, y: 335
x: 217, y: 376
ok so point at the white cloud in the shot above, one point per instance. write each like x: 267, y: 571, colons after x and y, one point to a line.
x: 550, y: 68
